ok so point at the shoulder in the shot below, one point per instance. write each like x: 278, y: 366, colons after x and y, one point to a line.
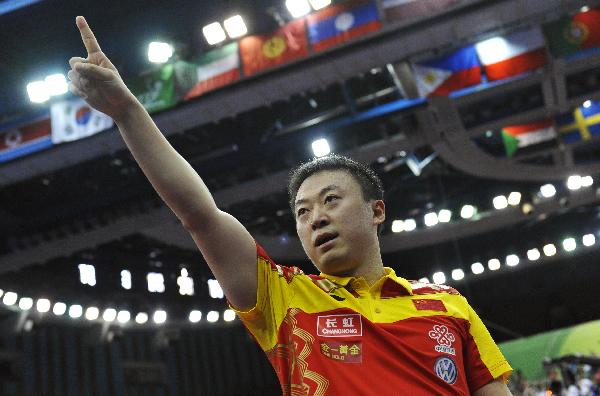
x: 420, y: 288
x: 288, y: 273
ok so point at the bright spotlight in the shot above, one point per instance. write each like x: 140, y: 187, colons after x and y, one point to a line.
x: 410, y: 225
x: 38, y: 92
x: 514, y: 198
x: 569, y: 244
x: 160, y: 317
x: 512, y: 260
x: 320, y: 147
x: 468, y: 211
x: 587, y: 104
x: 431, y: 219
x: 141, y: 318
x: 587, y: 181
x: 574, y: 182
x: 59, y: 309
x: 458, y: 274
x: 75, y: 311
x: 297, y: 8
x: 477, y: 268
x: 494, y: 264
x: 92, y: 313
x: 439, y: 278
x: 56, y: 84
x: 549, y: 250
x: 214, y: 33
x: 123, y: 316
x: 212, y: 316
x: 318, y: 4
x: 444, y: 216
x: 588, y: 240
x: 228, y: 315
x: 214, y: 289
x: 195, y: 316
x: 397, y: 226
x: 424, y: 280
x: 500, y: 202
x: 548, y: 190
x: 533, y: 254
x: 25, y: 303
x: 42, y: 305
x: 235, y: 26
x: 109, y: 315
x: 10, y: 298
x: 87, y: 274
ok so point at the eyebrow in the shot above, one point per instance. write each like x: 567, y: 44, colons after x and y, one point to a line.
x: 323, y: 191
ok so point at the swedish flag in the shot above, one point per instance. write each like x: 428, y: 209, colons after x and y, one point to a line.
x: 581, y: 124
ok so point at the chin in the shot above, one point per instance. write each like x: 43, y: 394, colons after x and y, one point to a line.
x: 334, y: 265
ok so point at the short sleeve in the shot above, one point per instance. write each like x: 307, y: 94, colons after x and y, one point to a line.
x: 484, y: 361
x: 273, y: 295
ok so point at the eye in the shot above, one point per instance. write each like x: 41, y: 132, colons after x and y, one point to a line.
x: 331, y: 198
x: 301, y: 211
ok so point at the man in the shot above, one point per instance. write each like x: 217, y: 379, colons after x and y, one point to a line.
x: 357, y: 329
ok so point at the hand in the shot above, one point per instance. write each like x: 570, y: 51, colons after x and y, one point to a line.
x: 96, y: 80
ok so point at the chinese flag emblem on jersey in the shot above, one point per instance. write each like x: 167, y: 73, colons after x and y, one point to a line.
x: 260, y: 52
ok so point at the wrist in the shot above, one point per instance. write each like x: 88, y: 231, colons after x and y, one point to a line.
x: 128, y: 110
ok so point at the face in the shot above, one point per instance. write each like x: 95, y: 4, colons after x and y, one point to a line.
x: 336, y: 226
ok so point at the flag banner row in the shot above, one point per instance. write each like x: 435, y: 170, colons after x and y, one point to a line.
x: 26, y: 138
x: 406, y: 10
x: 74, y: 119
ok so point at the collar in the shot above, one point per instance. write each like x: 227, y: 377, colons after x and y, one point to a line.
x: 389, y: 275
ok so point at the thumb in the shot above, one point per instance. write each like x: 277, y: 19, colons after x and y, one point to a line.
x: 94, y: 72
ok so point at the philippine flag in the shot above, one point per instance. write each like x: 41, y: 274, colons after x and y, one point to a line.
x: 75, y: 119
x: 440, y: 76
x: 337, y: 24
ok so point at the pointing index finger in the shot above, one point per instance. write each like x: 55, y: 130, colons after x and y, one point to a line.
x: 89, y: 40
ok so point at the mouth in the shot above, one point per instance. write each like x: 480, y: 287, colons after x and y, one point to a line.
x: 325, y: 238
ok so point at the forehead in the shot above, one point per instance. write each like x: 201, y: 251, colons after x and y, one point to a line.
x: 316, y: 182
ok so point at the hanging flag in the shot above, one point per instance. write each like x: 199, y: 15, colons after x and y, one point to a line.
x: 286, y: 44
x: 337, y: 24
x: 509, y: 56
x: 24, y: 139
x: 519, y: 136
x: 440, y: 76
x: 570, y: 35
x: 75, y: 119
x: 215, y: 69
x: 581, y: 124
x: 156, y: 90
x: 397, y: 10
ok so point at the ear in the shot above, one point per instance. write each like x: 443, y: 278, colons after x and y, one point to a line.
x: 378, y: 207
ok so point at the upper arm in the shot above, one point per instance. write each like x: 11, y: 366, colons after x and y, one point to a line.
x: 494, y: 388
x: 230, y: 252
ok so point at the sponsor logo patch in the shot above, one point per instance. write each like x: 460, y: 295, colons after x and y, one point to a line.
x: 348, y: 325
x: 346, y: 352
x: 445, y: 368
x: 444, y: 338
x: 429, y: 305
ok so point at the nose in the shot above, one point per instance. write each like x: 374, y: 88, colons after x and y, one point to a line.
x: 319, y: 220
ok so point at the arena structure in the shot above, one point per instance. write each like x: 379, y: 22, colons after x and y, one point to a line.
x: 482, y: 117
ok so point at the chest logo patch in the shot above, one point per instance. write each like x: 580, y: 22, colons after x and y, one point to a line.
x: 444, y: 338
x: 445, y: 368
x: 348, y: 325
x: 346, y: 352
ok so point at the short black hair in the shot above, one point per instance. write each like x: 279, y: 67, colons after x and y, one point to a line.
x: 370, y: 183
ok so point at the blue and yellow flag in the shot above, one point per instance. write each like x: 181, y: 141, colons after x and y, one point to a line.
x: 581, y: 124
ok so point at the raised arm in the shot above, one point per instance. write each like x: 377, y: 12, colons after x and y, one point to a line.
x: 223, y: 241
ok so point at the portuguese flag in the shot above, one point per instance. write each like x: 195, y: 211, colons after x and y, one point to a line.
x: 519, y: 136
x: 570, y: 35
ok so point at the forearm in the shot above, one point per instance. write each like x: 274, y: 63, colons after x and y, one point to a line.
x: 173, y: 178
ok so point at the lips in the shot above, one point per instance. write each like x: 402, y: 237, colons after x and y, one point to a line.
x: 324, y: 238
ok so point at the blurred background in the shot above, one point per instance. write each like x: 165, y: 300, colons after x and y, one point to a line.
x: 482, y: 117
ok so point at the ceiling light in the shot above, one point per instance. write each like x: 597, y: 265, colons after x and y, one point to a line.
x: 587, y: 104
x: 477, y: 268
x: 431, y: 219
x: 297, y: 8
x: 439, y: 278
x: 468, y: 211
x: 320, y: 147
x: 195, y: 316
x: 444, y: 216
x: 533, y: 254
x: 42, y: 305
x: 56, y: 84
x: 514, y: 198
x: 397, y: 226
x: 160, y: 316
x: 75, y: 311
x: 424, y: 280
x: 25, y: 303
x: 59, y: 309
x: 574, y: 182
x: 512, y: 260
x: 569, y: 244
x: 141, y: 318
x: 494, y: 264
x: 235, y: 26
x: 500, y: 202
x: 548, y: 190
x: 587, y: 181
x: 458, y: 274
x: 38, y: 92
x: 214, y: 289
x: 318, y: 4
x: 584, y: 9
x: 92, y: 313
x: 10, y: 298
x: 123, y: 316
x: 87, y: 274
x: 228, y: 315
x: 549, y: 250
x: 589, y: 240
x: 109, y: 315
x: 410, y: 225
x: 212, y: 316
x: 213, y: 33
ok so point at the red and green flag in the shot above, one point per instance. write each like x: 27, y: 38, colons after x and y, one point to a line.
x: 519, y: 136
x: 156, y: 90
x: 215, y: 69
x: 569, y: 35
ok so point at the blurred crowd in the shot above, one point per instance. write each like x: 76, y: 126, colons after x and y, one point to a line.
x: 572, y: 380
